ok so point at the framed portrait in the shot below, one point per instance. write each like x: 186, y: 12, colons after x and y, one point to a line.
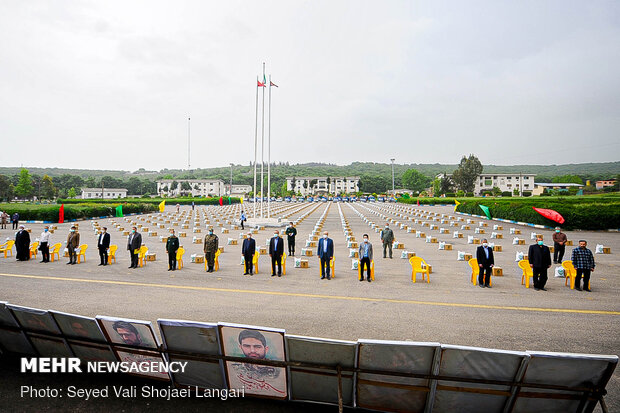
x: 198, y: 338
x: 140, y: 358
x: 48, y: 346
x: 6, y: 317
x: 258, y: 343
x: 124, y: 331
x: 13, y: 340
x: 87, y: 351
x: 34, y: 319
x: 78, y: 327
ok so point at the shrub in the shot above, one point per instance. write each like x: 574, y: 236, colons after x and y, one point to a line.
x: 469, y: 194
x: 506, y: 193
x: 527, y: 193
x: 169, y: 201
x: 450, y: 194
x: 31, y: 212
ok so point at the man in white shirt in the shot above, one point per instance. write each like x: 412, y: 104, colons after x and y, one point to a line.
x: 44, y: 245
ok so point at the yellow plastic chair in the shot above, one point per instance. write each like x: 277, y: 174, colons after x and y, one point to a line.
x: 216, y: 261
x: 332, y: 265
x: 527, y: 272
x: 82, y: 252
x: 33, y: 249
x: 284, y: 263
x: 255, y: 261
x: 372, y: 269
x: 112, y: 253
x: 570, y: 272
x: 55, y: 250
x: 7, y: 247
x: 475, y: 270
x: 180, y: 253
x: 416, y: 268
x: 142, y: 255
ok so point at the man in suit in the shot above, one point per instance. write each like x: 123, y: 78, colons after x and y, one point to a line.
x: 22, y: 244
x: 248, y: 249
x: 539, y: 257
x: 365, y: 253
x: 325, y: 252
x: 276, y: 250
x: 486, y: 261
x: 172, y: 245
x: 103, y: 243
x: 387, y: 237
x: 73, y: 241
x: 134, y: 242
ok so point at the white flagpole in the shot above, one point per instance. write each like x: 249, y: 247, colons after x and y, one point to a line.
x: 269, y: 155
x: 255, y: 146
x: 262, y: 150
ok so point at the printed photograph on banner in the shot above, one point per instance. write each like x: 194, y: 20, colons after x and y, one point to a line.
x: 6, y: 318
x: 92, y: 352
x: 77, y: 326
x: 257, y: 343
x: 129, y: 332
x: 50, y: 346
x: 15, y: 342
x: 34, y: 319
x: 141, y: 362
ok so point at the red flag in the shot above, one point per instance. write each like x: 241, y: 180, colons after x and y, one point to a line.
x: 260, y: 84
x: 418, y: 202
x: 221, y: 201
x: 272, y: 84
x: 550, y: 214
x: 61, y: 214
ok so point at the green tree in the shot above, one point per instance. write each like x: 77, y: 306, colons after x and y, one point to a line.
x: 48, y: 190
x: 566, y: 179
x: 24, y: 188
x: 414, y: 180
x: 466, y: 174
x: 185, y: 186
x: 496, y: 191
x: 6, y: 188
x: 71, y: 193
x: 515, y: 192
x: 446, y: 184
x: 436, y: 187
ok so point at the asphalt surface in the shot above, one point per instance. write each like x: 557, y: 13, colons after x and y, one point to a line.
x: 449, y: 309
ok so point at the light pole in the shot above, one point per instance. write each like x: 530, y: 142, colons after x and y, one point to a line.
x: 393, y: 189
x: 230, y: 189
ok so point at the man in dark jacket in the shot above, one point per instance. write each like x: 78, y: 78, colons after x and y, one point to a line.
x: 276, y: 250
x: 486, y: 261
x: 172, y: 245
x: 248, y: 249
x: 291, y: 233
x: 325, y: 251
x: 134, y: 242
x: 103, y: 243
x: 539, y: 257
x: 73, y: 241
x: 22, y: 244
x: 15, y: 220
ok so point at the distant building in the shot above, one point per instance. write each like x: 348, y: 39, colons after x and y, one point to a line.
x: 108, y: 193
x: 401, y: 191
x: 505, y: 182
x: 540, y: 187
x: 605, y: 184
x: 321, y: 185
x: 240, y: 190
x: 193, y: 187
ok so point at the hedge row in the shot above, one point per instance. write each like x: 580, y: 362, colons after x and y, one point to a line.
x: 157, y: 201
x: 29, y: 212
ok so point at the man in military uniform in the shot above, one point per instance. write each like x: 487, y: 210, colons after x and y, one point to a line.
x: 291, y: 232
x: 387, y: 237
x: 172, y: 245
x: 73, y: 241
x: 210, y: 248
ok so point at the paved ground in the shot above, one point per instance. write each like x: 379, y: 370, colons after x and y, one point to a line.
x: 448, y: 310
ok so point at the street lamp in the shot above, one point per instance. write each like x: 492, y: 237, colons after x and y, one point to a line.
x: 393, y: 189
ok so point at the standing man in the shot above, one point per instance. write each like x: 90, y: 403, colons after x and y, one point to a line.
x: 276, y: 250
x: 73, y: 241
x: 291, y: 233
x: 15, y: 220
x: 44, y: 245
x: 193, y: 205
x: 559, y: 245
x: 325, y: 252
x: 22, y: 244
x: 486, y: 261
x: 172, y: 245
x: 365, y: 254
x: 243, y: 219
x: 210, y: 248
x: 583, y: 261
x: 103, y: 243
x: 540, y: 260
x: 4, y: 219
x: 387, y: 237
x: 134, y: 242
x: 248, y: 250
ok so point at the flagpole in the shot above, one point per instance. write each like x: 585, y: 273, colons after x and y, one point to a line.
x: 255, y: 146
x: 269, y: 154
x: 262, y: 150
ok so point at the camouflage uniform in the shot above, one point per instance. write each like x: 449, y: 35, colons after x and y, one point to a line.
x: 210, y: 247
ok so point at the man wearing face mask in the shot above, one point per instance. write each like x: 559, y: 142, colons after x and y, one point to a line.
x: 248, y: 249
x: 73, y: 241
x: 540, y: 260
x: 44, y: 245
x: 291, y: 232
x: 103, y: 243
x: 365, y: 254
x: 583, y: 261
x: 486, y: 261
x: 172, y: 245
x: 276, y: 250
x: 387, y: 237
x: 22, y: 244
x: 210, y: 248
x: 325, y: 252
x: 559, y: 244
x: 134, y: 242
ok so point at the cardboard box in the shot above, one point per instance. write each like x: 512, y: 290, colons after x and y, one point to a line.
x: 443, y: 230
x: 499, y: 236
x: 225, y: 231
x: 145, y: 229
x: 400, y: 246
x: 313, y: 243
x: 551, y: 249
x: 459, y: 235
x: 307, y: 252
x: 569, y: 243
x: 126, y: 233
x: 197, y: 230
x: 199, y: 259
x: 182, y: 234
x: 448, y: 247
x: 521, y: 242
x: 185, y: 226
x: 262, y: 250
x: 606, y: 250
x: 467, y: 257
x: 433, y: 240
x: 410, y: 254
x: 497, y: 248
x: 304, y: 264
x: 497, y: 271
x: 476, y: 240
x: 151, y: 256
x: 152, y: 234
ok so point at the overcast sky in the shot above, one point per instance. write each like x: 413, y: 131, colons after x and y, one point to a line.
x: 110, y: 84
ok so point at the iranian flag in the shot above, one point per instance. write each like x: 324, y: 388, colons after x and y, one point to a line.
x: 61, y: 214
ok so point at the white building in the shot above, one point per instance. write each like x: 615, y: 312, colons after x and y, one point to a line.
x: 108, y: 193
x: 193, y: 187
x: 505, y: 182
x: 320, y: 185
x: 539, y: 188
x: 240, y: 190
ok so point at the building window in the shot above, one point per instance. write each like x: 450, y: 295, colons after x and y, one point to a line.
x: 488, y: 182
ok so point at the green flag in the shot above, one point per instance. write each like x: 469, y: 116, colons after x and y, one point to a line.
x: 119, y: 211
x: 486, y: 211
x: 229, y: 201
